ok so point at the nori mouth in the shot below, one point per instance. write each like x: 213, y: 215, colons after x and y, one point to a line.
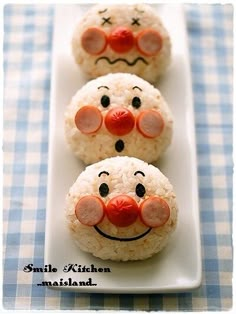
x: 119, y: 146
x: 122, y: 60
x: 122, y: 239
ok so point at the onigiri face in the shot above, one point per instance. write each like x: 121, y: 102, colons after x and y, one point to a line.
x: 121, y: 209
x: 118, y: 115
x: 122, y: 38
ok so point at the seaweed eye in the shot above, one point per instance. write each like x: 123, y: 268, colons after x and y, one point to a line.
x: 105, y: 101
x: 135, y: 21
x: 103, y: 189
x: 106, y: 20
x: 140, y: 190
x: 136, y: 102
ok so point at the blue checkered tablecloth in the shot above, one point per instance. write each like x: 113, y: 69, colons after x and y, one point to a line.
x: 27, y: 60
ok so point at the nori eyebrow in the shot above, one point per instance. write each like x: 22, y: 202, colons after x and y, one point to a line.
x: 139, y: 10
x: 102, y: 11
x: 137, y: 88
x: 138, y: 171
x: 103, y: 86
x: 103, y: 172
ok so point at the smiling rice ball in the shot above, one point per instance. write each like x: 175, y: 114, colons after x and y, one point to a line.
x: 121, y: 209
x: 122, y: 38
x: 118, y: 115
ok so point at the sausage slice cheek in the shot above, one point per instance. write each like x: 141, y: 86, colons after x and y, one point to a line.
x: 154, y: 212
x: 149, y: 42
x: 150, y: 123
x: 88, y: 119
x: 90, y: 210
x: 94, y: 40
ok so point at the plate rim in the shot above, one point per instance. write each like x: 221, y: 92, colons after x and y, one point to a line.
x: 196, y: 282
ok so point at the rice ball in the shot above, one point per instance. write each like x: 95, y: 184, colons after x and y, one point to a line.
x: 122, y: 38
x: 121, y: 209
x: 118, y: 115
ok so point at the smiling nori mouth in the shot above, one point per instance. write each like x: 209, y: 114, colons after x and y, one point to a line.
x: 119, y: 146
x: 122, y: 239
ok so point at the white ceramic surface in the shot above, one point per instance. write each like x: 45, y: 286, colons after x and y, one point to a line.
x: 178, y: 266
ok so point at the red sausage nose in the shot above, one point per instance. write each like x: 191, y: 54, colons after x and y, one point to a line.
x: 121, y: 39
x: 122, y: 210
x: 119, y: 121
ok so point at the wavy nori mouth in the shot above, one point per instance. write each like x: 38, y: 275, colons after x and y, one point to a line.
x: 122, y: 239
x: 122, y: 60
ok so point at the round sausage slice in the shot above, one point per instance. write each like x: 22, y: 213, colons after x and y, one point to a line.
x: 122, y: 210
x: 88, y: 119
x: 90, y: 210
x: 121, y: 39
x: 150, y: 123
x: 154, y: 212
x: 94, y: 40
x: 119, y: 121
x: 149, y: 42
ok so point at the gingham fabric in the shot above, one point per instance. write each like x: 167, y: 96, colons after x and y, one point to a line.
x: 27, y: 60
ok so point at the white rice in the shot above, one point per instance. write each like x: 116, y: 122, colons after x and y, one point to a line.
x: 95, y: 147
x: 122, y: 15
x: 121, y: 180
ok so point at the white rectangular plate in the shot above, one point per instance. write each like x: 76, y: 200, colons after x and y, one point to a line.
x: 178, y: 266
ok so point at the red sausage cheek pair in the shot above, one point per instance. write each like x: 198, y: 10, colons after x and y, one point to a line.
x: 121, y: 40
x: 122, y: 211
x: 119, y: 121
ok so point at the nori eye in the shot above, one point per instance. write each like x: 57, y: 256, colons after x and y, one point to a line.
x: 136, y: 102
x: 140, y: 190
x: 103, y: 189
x: 105, y: 101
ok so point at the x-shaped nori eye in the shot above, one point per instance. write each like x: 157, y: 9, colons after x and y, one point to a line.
x: 135, y: 21
x: 106, y: 20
